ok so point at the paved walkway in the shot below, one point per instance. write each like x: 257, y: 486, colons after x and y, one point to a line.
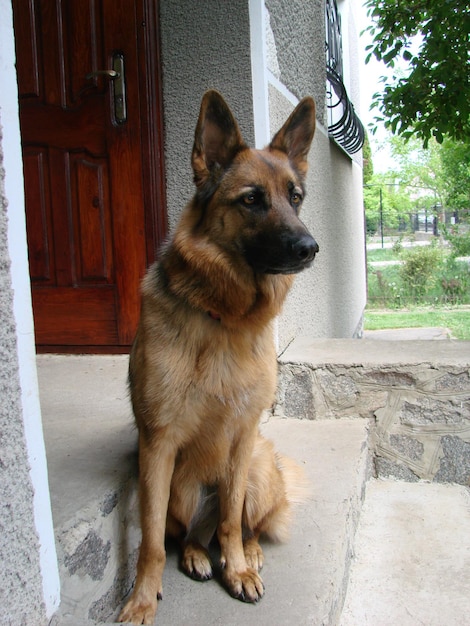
x: 408, y: 334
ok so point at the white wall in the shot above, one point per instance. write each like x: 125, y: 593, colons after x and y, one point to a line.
x: 23, y: 311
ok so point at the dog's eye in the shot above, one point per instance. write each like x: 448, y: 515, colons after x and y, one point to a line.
x: 296, y: 199
x: 253, y: 199
x: 249, y: 199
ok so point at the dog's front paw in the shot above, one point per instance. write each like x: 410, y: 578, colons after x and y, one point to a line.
x: 196, y: 562
x: 253, y: 554
x: 246, y: 586
x: 139, y: 610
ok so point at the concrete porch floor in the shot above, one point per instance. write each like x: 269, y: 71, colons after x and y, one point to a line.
x: 408, y: 563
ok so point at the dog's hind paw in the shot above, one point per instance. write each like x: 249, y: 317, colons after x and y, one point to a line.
x: 196, y: 562
x: 246, y: 586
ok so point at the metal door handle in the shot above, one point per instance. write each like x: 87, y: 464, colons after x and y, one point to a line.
x: 110, y: 73
x: 119, y: 87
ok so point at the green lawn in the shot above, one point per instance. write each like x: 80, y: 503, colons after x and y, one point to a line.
x: 382, y: 254
x: 456, y: 319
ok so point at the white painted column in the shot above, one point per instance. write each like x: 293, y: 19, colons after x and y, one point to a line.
x: 259, y: 74
x: 259, y: 78
x: 22, y: 309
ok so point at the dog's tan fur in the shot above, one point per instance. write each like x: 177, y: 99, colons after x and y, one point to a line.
x: 203, y: 365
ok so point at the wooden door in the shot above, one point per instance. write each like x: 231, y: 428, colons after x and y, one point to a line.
x: 92, y: 169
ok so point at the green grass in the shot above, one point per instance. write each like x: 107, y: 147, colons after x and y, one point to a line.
x: 382, y: 254
x: 455, y: 319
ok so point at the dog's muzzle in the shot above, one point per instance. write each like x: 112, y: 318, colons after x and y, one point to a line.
x: 305, y: 249
x: 287, y: 254
x: 297, y: 255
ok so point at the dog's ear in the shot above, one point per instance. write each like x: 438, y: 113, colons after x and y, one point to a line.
x: 295, y: 137
x: 217, y: 139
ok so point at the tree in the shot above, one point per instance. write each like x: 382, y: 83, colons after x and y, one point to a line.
x: 387, y: 203
x: 432, y: 97
x: 367, y: 163
x: 442, y: 169
x: 420, y: 170
x: 455, y: 159
x: 434, y: 179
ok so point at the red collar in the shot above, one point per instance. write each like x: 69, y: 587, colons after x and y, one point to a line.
x: 213, y: 315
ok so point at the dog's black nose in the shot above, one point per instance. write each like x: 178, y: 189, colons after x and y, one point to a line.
x: 305, y: 248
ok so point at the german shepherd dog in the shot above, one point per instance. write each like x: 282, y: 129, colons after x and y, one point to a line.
x: 203, y: 364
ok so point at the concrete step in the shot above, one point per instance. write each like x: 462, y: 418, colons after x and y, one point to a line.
x: 92, y: 462
x: 412, y: 557
x: 90, y: 445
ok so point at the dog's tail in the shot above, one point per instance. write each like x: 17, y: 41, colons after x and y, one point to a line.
x: 276, y: 484
x: 296, y: 491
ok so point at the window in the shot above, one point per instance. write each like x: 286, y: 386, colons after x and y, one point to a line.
x: 344, y: 126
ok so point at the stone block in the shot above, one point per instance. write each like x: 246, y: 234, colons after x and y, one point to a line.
x: 295, y: 392
x: 455, y: 462
x: 426, y: 410
x: 407, y: 446
x: 390, y: 469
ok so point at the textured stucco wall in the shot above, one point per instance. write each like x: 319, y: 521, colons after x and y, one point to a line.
x: 349, y: 11
x: 204, y: 45
x: 298, y: 28
x: 21, y: 593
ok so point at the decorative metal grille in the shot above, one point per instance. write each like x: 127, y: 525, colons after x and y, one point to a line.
x: 344, y: 124
x: 334, y: 50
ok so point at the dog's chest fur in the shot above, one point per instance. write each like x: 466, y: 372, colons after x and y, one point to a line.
x: 197, y: 370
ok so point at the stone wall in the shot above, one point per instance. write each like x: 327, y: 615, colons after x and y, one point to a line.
x: 97, y: 551
x: 421, y: 409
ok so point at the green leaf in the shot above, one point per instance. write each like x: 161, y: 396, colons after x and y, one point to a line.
x: 435, y: 95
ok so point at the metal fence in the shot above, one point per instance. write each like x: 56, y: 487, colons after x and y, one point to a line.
x: 425, y: 221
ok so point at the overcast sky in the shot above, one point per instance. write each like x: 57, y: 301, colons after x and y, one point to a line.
x: 370, y: 83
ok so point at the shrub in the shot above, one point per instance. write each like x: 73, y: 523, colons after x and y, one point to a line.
x: 455, y: 282
x: 459, y: 241
x: 453, y: 290
x: 398, y: 246
x: 371, y: 224
x: 384, y: 288
x: 419, y: 268
x: 425, y: 277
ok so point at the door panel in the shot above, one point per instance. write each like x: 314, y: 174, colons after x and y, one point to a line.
x: 93, y: 323
x: 91, y: 209
x: 38, y: 216
x: 86, y: 189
